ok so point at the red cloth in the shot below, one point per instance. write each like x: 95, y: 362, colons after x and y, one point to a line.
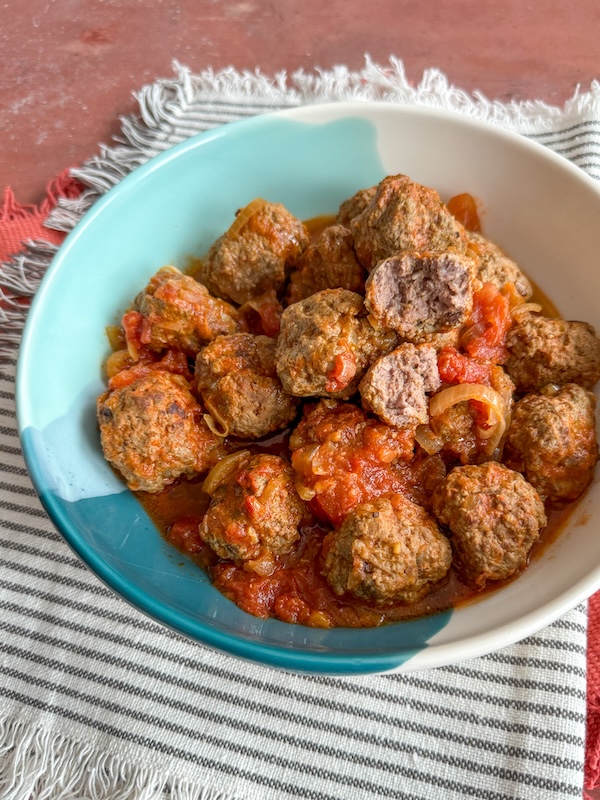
x: 592, y: 750
x: 20, y: 223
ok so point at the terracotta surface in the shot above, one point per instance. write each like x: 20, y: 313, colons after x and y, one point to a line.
x: 69, y: 67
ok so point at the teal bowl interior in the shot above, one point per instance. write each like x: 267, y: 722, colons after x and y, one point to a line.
x: 170, y: 209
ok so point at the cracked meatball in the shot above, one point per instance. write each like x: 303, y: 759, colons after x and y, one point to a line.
x: 152, y: 431
x: 556, y: 351
x: 387, y: 550
x: 179, y: 312
x: 238, y: 382
x: 328, y: 263
x: 495, y: 517
x: 404, y: 216
x: 256, y: 254
x: 395, y: 387
x: 493, y: 266
x: 254, y: 512
x: 421, y: 295
x: 552, y: 440
x: 326, y: 344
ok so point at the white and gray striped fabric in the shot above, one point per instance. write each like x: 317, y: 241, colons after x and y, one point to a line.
x: 99, y: 702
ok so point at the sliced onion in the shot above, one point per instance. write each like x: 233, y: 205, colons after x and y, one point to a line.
x: 525, y: 308
x: 215, y: 421
x: 304, y: 492
x: 117, y: 361
x: 222, y: 470
x: 427, y: 439
x: 482, y: 394
x: 243, y: 215
x: 466, y: 391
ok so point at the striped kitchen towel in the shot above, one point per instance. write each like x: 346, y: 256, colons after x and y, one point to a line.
x: 100, y: 702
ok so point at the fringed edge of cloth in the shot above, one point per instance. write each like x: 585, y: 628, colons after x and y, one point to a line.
x: 36, y: 762
x: 166, y: 117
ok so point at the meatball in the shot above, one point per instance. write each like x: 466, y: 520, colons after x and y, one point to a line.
x: 455, y: 432
x: 254, y: 512
x: 403, y: 216
x: 179, y: 312
x: 493, y: 266
x: 387, y: 550
x: 495, y: 517
x: 238, y: 382
x: 355, y: 205
x: 419, y: 295
x: 395, y: 387
x: 552, y: 440
x: 256, y: 255
x: 556, y: 351
x: 328, y: 263
x: 153, y: 432
x: 326, y: 344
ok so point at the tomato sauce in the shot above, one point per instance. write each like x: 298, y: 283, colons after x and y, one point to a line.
x: 350, y: 472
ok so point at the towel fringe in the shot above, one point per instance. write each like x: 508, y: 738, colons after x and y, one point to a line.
x: 163, y: 103
x: 36, y: 762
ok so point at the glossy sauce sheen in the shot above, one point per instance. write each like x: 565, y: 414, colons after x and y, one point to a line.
x: 296, y: 592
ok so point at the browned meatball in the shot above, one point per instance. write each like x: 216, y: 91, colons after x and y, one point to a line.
x: 420, y: 295
x: 494, y: 266
x: 254, y: 512
x: 152, y: 431
x: 328, y: 263
x: 404, y: 216
x: 239, y: 386
x: 326, y: 344
x: 552, y: 440
x: 387, y: 550
x: 179, y: 312
x: 556, y: 351
x: 255, y: 258
x: 395, y: 387
x: 495, y: 517
x: 455, y: 433
x: 355, y: 205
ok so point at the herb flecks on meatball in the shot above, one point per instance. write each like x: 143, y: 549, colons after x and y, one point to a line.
x: 254, y: 258
x: 153, y: 432
x: 179, y: 312
x: 255, y: 510
x: 404, y: 216
x: 420, y: 295
x: 328, y: 263
x: 238, y: 382
x: 326, y: 344
x: 495, y: 517
x: 552, y: 440
x: 387, y: 550
x: 397, y: 384
x: 555, y: 351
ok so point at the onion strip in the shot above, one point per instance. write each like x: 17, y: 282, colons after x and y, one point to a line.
x: 482, y: 394
x: 215, y: 421
x: 222, y: 470
x: 427, y: 440
x: 244, y: 215
x: 525, y: 308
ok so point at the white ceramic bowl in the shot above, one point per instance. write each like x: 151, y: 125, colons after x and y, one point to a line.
x: 540, y: 208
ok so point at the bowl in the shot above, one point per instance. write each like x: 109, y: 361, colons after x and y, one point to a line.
x: 539, y: 207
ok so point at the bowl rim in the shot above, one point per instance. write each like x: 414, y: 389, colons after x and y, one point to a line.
x: 316, y: 662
